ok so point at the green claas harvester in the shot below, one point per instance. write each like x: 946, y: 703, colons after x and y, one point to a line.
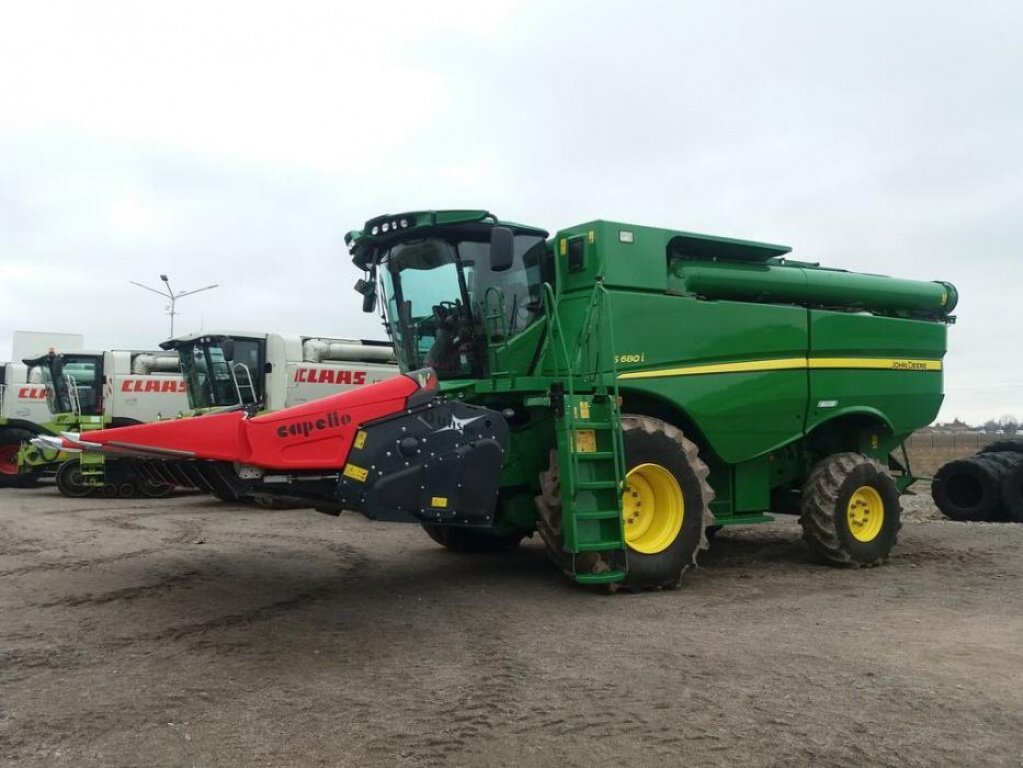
x: 621, y: 390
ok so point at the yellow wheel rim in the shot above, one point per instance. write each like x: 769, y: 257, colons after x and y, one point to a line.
x: 865, y: 513
x: 652, y: 508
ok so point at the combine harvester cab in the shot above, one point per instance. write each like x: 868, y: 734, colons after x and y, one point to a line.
x: 24, y: 413
x: 632, y: 389
x: 89, y: 391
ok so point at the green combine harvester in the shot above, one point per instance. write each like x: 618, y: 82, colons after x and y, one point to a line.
x: 621, y: 390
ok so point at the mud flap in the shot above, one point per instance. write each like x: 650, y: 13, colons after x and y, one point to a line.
x: 438, y: 463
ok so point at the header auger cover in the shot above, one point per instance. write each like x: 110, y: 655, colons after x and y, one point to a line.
x: 393, y: 450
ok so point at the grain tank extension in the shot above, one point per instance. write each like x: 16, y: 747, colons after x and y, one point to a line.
x: 620, y: 390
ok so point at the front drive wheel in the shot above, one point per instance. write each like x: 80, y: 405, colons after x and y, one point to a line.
x: 469, y: 541
x: 70, y: 481
x: 11, y: 475
x: 665, y: 504
x: 850, y: 510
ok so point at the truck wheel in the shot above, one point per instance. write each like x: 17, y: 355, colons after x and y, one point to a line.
x: 70, y: 481
x: 470, y: 541
x: 665, y: 503
x: 970, y: 489
x: 850, y: 510
x: 1012, y: 494
x: 1001, y: 446
x: 10, y: 444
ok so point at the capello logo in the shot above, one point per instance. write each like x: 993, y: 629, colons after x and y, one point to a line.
x: 305, y: 428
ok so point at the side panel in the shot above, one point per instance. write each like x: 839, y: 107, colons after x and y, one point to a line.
x: 737, y: 369
x: 906, y: 385
x: 311, y: 381
x: 20, y: 399
x: 146, y: 398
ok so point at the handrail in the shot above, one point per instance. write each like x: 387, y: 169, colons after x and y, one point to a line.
x: 74, y: 400
x: 237, y: 387
x: 491, y: 318
x: 3, y: 398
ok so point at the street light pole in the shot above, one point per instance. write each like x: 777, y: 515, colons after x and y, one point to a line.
x: 170, y: 294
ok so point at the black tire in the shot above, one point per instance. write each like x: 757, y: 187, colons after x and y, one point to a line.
x: 1012, y: 494
x: 711, y: 531
x: 970, y: 489
x: 651, y: 441
x: 10, y: 444
x: 837, y: 487
x: 1002, y: 446
x: 278, y: 504
x: 151, y: 490
x: 471, y: 541
x: 69, y: 480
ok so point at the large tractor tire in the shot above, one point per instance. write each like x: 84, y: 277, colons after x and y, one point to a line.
x: 1003, y: 446
x: 471, y: 541
x: 70, y: 481
x: 850, y: 510
x: 275, y: 504
x: 970, y: 489
x: 11, y: 440
x: 666, y: 503
x: 1012, y: 494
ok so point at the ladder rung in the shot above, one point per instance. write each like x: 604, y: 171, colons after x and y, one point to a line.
x: 600, y: 514
x: 595, y: 485
x: 584, y: 424
x: 593, y: 455
x: 597, y: 546
x: 604, y: 577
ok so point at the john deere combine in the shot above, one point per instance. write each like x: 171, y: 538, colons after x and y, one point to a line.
x: 618, y: 389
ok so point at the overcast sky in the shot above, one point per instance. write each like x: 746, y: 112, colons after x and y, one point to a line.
x: 235, y: 143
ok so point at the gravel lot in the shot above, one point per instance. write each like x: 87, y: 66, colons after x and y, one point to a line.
x: 187, y: 632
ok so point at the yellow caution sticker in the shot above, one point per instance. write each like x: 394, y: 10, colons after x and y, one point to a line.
x: 360, y: 438
x: 356, y: 473
x: 584, y: 410
x: 439, y: 502
x: 585, y: 441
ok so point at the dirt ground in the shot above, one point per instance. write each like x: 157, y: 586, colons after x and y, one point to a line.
x: 191, y: 633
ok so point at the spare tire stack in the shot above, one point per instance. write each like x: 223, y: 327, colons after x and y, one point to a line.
x: 985, y: 487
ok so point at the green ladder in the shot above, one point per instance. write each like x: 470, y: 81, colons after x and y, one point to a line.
x: 93, y: 472
x: 590, y: 467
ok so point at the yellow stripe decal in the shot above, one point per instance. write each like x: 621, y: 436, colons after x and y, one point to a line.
x: 881, y: 363
x: 790, y: 363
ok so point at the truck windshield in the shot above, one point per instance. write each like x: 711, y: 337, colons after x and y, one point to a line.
x: 439, y: 293
x: 212, y: 380
x: 73, y: 383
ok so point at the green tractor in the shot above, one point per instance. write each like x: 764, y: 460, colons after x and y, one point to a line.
x: 623, y: 391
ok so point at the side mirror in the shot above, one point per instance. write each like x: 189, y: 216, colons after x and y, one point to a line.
x: 227, y: 347
x: 502, y: 249
x: 368, y: 290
